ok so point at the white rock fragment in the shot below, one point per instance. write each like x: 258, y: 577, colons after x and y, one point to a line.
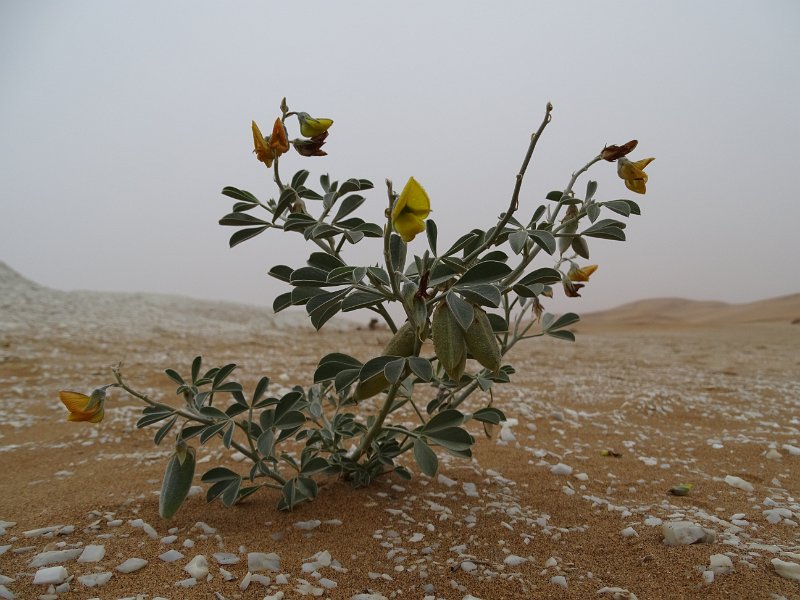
x: 738, y: 483
x: 225, y: 558
x: 559, y: 580
x: 186, y: 583
x: 678, y: 533
x: 197, y: 567
x: 170, y: 556
x: 261, y: 561
x: 53, y: 576
x: 168, y: 539
x: 629, y: 532
x: 653, y: 521
x: 792, y: 450
x: 708, y: 577
x: 512, y: 560
x: 368, y: 597
x: 226, y: 575
x: 54, y: 556
x: 784, y: 568
x: 468, y: 566
x: 276, y: 596
x: 561, y: 469
x: 92, y: 553
x: 444, y: 480
x: 6, y: 594
x: 773, y: 454
x: 720, y: 564
x: 417, y: 537
x: 304, y: 588
x: 308, y: 525
x: 470, y: 490
x: 617, y: 593
x: 327, y: 583
x: 4, y: 580
x: 205, y: 528
x: 131, y: 565
x: 95, y: 579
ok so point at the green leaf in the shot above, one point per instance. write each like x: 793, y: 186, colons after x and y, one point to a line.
x: 489, y: 415
x: 426, y: 458
x: 176, y: 483
x: 265, y: 443
x: 332, y: 364
x: 462, y: 242
x: 593, y: 211
x: 223, y: 374
x: 432, y: 234
x: 378, y: 274
x: 212, y: 430
x: 238, y: 194
x: 499, y: 324
x: 602, y: 225
x: 287, y: 199
x: 309, y: 276
x: 591, y: 188
x: 443, y: 420
x: 240, y: 219
x: 440, y: 273
x: 545, y: 275
x: 153, y: 417
x: 173, y: 374
x: 528, y: 291
x: 562, y: 334
x: 281, y: 272
x: 461, y: 310
x: 299, y: 178
x: 517, y: 240
x: 349, y: 204
x: 554, y: 196
x: 345, y: 378
x: 231, y: 493
x: 356, y: 300
x: 164, y: 430
x: 394, y: 370
x: 282, y: 301
x: 421, y: 367
x: 608, y: 233
x: 298, y: 222
x: 374, y: 366
x: 219, y: 474
x: 564, y: 320
x: 289, y: 420
x: 484, y: 294
x: 580, y: 247
x: 324, y: 261
x: 544, y: 239
x: 244, y: 235
x: 485, y: 272
x: 315, y: 465
x: 452, y: 438
x: 397, y: 252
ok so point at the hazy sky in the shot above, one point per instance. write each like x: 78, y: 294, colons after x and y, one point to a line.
x: 122, y: 121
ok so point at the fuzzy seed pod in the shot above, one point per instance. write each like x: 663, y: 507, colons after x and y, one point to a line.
x: 402, y: 343
x: 482, y: 343
x: 448, y: 341
x: 371, y: 387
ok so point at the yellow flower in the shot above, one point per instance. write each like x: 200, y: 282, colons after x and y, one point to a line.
x: 278, y: 140
x: 410, y: 210
x: 310, y: 127
x: 82, y: 407
x: 576, y: 274
x: 633, y: 173
x: 263, y: 152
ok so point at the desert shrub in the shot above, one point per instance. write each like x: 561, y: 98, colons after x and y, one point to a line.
x: 475, y: 299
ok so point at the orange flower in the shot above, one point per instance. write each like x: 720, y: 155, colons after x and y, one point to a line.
x: 82, y: 407
x: 270, y: 148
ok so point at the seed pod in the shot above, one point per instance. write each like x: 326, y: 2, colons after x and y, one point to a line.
x: 177, y: 481
x: 402, y: 343
x: 448, y: 341
x: 482, y: 343
x: 370, y: 387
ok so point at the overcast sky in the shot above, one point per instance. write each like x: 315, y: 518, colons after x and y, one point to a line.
x: 122, y: 121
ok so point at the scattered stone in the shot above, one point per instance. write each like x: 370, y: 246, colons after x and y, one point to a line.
x: 131, y: 565
x: 225, y: 558
x: 171, y: 556
x: 629, y: 532
x: 617, y: 593
x: 720, y: 564
x: 54, y: 556
x: 786, y: 569
x: 308, y: 525
x: 260, y: 561
x: 561, y: 469
x: 738, y: 483
x: 197, y: 567
x: 95, y: 579
x: 92, y: 553
x: 685, y: 532
x: 54, y: 575
x: 186, y: 583
x: 512, y: 560
x: 559, y: 580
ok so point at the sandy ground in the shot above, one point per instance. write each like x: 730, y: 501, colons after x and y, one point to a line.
x: 689, y: 405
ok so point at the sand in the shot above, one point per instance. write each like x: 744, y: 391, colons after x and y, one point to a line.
x: 630, y: 411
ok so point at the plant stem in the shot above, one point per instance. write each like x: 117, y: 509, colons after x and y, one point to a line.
x: 514, y: 204
x: 378, y: 424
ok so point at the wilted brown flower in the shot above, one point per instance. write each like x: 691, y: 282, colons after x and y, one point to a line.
x: 612, y: 153
x: 312, y: 146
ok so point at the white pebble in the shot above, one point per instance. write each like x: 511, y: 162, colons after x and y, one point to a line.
x: 225, y: 558
x: 308, y: 525
x: 261, y: 561
x: 512, y: 560
x: 559, y: 580
x: 168, y: 539
x: 92, y: 553
x: 95, y: 579
x: 131, y: 565
x: 720, y: 564
x: 54, y: 556
x: 629, y: 532
x: 561, y: 469
x: 444, y: 480
x: 50, y: 576
x: 738, y: 483
x: 792, y: 450
x: 784, y: 568
x: 171, y: 556
x: 708, y: 576
x: 685, y: 532
x: 618, y: 593
x: 186, y: 583
x: 197, y: 567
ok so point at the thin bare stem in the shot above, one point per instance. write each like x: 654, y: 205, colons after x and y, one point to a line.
x: 373, y: 431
